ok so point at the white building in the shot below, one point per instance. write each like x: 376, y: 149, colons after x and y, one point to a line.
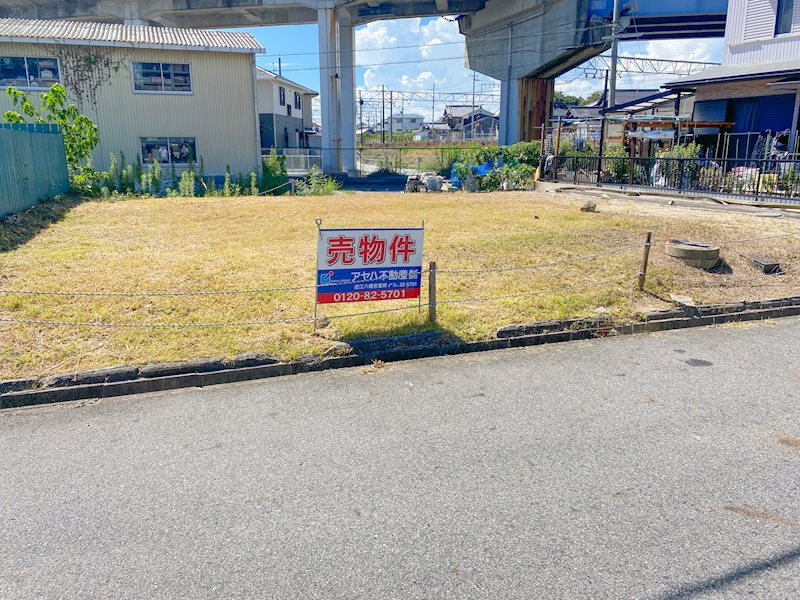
x: 284, y: 111
x: 757, y: 88
x: 403, y: 122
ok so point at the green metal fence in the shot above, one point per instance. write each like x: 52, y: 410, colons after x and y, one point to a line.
x: 33, y: 165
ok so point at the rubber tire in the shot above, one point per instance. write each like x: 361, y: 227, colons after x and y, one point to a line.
x: 694, y: 256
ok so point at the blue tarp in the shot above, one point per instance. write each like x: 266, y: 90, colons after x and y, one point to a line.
x: 477, y: 171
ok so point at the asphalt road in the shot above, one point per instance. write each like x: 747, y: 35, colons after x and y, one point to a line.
x: 660, y: 466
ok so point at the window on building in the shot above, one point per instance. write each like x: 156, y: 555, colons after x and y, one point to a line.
x: 29, y: 73
x: 175, y: 78
x: 282, y: 95
x: 168, y: 150
x: 285, y: 137
x: 783, y: 21
x: 298, y: 101
x: 288, y: 110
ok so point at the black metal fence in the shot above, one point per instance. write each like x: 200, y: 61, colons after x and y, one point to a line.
x: 768, y: 179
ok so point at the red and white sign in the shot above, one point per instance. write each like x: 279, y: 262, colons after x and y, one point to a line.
x: 364, y: 265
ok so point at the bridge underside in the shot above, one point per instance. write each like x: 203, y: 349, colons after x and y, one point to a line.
x: 525, y: 44
x: 228, y: 13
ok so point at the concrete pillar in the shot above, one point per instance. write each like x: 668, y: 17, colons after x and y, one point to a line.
x: 347, y: 90
x: 330, y: 98
x: 509, y: 112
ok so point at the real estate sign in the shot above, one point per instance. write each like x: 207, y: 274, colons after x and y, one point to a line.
x: 363, y: 265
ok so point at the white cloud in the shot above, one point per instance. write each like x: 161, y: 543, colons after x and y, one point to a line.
x: 704, y: 50
x: 414, y: 55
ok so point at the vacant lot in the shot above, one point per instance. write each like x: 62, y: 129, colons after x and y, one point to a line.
x: 191, y: 244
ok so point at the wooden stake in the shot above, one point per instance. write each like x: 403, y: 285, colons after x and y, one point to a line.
x: 645, y: 260
x: 432, y: 292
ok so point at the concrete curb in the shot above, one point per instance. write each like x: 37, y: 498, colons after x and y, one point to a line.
x: 680, y: 318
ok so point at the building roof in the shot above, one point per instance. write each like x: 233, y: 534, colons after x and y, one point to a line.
x: 38, y: 31
x: 462, y: 110
x: 743, y: 72
x: 646, y: 103
x: 263, y: 74
x: 624, y: 97
x: 584, y: 112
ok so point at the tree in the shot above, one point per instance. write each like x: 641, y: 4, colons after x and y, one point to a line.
x: 593, y: 97
x: 80, y: 133
x: 565, y: 100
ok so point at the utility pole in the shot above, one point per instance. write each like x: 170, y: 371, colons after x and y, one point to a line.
x: 383, y: 114
x: 612, y: 90
x: 361, y: 117
x: 472, y: 119
x: 433, y: 104
x: 391, y: 117
x: 602, y: 131
x: 402, y: 111
x: 280, y: 69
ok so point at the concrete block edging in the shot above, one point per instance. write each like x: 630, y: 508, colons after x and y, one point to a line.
x: 683, y: 317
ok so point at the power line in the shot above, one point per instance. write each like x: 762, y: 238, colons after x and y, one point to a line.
x: 459, y: 42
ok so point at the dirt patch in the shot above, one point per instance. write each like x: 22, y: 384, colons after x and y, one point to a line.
x: 790, y: 440
x: 759, y: 515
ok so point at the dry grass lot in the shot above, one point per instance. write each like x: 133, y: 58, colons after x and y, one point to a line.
x: 222, y: 244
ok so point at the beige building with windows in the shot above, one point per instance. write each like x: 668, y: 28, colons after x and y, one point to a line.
x: 163, y: 94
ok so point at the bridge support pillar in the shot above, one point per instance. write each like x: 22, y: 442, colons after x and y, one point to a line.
x: 526, y: 105
x: 329, y: 90
x: 337, y: 83
x: 347, y: 87
x: 509, y: 112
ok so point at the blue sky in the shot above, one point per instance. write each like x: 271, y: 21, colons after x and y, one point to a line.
x: 417, y: 54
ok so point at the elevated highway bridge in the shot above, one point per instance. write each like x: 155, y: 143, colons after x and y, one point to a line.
x: 525, y: 44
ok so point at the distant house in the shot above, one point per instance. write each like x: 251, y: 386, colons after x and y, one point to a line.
x: 403, y: 122
x: 169, y: 96
x: 284, y: 112
x: 434, y: 132
x: 455, y: 115
x: 486, y: 126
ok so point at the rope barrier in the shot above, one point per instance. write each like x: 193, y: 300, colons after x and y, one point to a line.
x: 277, y: 187
x: 217, y: 324
x: 755, y: 239
x: 533, y: 293
x: 617, y: 250
x: 709, y: 279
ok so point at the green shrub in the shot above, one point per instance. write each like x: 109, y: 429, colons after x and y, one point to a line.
x: 686, y: 168
x: 490, y: 182
x: 383, y: 172
x: 619, y: 165
x: 316, y: 184
x: 274, y: 179
x: 186, y: 185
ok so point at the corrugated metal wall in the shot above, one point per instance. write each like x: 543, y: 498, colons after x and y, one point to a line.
x: 219, y: 112
x: 33, y: 165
